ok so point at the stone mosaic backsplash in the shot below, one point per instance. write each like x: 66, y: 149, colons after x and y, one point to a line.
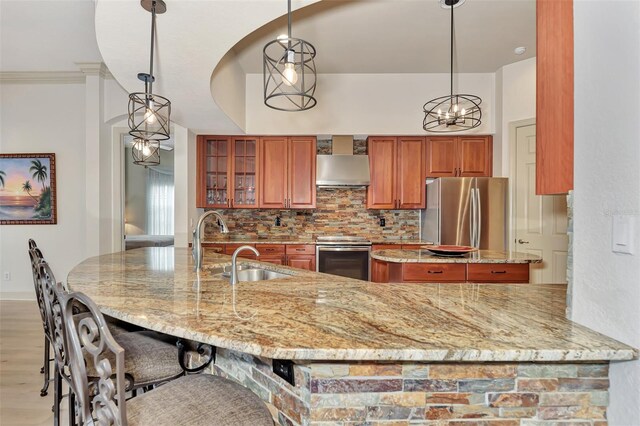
x: 338, y: 212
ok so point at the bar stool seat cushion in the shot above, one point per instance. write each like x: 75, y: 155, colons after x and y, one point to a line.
x: 147, y: 360
x: 202, y: 399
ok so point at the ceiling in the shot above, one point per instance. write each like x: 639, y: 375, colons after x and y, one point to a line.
x: 408, y: 36
x: 365, y: 36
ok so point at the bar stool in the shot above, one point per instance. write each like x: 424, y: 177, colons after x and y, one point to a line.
x: 190, y: 400
x: 35, y: 255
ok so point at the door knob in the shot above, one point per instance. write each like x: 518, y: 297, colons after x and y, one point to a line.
x: 521, y: 241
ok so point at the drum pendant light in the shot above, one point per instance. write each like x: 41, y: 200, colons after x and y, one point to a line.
x: 289, y: 72
x: 149, y: 114
x: 454, y: 112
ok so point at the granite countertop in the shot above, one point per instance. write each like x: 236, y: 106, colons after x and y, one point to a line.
x: 315, y: 316
x: 480, y: 256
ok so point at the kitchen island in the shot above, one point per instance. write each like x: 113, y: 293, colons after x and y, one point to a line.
x: 368, y: 353
x: 481, y: 266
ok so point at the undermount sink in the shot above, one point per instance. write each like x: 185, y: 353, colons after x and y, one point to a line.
x: 249, y: 273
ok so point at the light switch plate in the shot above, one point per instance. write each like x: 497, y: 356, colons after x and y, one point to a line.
x: 623, y: 240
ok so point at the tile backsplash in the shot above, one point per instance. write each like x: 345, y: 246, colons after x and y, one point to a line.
x: 338, y: 212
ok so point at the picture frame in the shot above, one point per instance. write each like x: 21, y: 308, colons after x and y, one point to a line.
x: 28, y: 189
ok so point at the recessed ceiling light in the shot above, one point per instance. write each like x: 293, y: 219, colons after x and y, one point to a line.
x: 519, y: 50
x: 446, y: 4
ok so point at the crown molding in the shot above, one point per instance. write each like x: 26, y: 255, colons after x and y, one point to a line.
x: 57, y: 77
x: 42, y: 77
x: 94, y: 68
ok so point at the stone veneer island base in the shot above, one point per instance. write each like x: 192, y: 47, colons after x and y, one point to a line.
x: 371, y: 354
x: 363, y: 393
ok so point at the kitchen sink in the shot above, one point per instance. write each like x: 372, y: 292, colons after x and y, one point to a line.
x: 249, y: 273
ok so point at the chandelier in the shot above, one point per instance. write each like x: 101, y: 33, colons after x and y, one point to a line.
x: 453, y: 112
x: 149, y: 114
x: 289, y: 72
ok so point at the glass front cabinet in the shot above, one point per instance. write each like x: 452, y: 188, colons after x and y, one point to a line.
x: 227, y: 172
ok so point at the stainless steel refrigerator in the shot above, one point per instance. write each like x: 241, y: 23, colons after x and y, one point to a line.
x: 467, y: 211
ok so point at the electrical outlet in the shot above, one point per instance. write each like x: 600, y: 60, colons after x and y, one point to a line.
x: 383, y: 222
x: 278, y: 221
x: 7, y: 276
x: 284, y: 369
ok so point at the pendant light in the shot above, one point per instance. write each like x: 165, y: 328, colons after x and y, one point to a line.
x: 149, y: 114
x: 289, y: 72
x: 146, y: 152
x: 454, y: 112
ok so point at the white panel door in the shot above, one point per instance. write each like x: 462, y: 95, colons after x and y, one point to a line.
x: 541, y: 220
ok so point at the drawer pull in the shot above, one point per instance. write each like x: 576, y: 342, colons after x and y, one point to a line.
x: 498, y: 272
x: 300, y: 249
x: 434, y: 272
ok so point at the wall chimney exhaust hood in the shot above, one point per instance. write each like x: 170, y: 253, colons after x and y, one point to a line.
x: 342, y: 168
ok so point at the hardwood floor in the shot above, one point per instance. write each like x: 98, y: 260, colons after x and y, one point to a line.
x: 21, y: 346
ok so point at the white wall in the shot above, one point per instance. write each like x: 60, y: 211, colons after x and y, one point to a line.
x: 366, y: 104
x: 516, y: 87
x: 606, y: 289
x: 45, y: 118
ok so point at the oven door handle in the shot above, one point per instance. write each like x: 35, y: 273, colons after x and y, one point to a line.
x: 344, y: 249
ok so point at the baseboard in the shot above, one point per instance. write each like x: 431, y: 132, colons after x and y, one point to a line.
x: 17, y: 295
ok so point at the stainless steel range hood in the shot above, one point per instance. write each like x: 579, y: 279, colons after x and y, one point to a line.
x: 342, y: 169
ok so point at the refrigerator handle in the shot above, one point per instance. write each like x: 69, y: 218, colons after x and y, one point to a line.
x: 478, y: 218
x: 472, y: 218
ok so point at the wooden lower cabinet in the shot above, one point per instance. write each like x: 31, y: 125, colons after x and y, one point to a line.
x: 302, y: 256
x: 383, y: 272
x: 230, y: 248
x: 276, y: 260
x: 498, y: 272
x: 433, y: 272
x: 379, y: 271
x: 302, y: 261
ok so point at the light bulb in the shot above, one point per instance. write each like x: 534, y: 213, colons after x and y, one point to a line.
x: 289, y: 75
x: 463, y: 112
x: 439, y: 112
x: 455, y: 108
x: 446, y: 116
x: 149, y: 116
x: 145, y: 150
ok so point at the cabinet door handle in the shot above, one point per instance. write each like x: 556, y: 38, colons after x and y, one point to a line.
x: 435, y: 272
x: 498, y: 272
x: 217, y: 250
x: 521, y: 241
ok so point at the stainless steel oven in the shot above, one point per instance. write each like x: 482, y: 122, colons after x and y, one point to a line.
x: 344, y: 256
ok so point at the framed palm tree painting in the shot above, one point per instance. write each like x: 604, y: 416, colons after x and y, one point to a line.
x: 28, y: 189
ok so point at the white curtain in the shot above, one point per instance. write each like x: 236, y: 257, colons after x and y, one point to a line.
x: 159, y: 202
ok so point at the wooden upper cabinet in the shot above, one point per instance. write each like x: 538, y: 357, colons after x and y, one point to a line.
x: 273, y: 172
x: 475, y: 156
x: 463, y: 156
x: 411, y: 173
x: 397, y: 166
x: 213, y: 172
x: 441, y: 157
x: 287, y: 172
x: 302, y: 173
x: 244, y: 172
x: 554, y: 97
x: 381, y: 193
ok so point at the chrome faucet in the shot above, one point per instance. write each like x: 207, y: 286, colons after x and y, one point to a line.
x: 197, y: 236
x: 234, y: 262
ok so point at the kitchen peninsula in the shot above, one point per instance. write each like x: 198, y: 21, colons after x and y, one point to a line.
x: 365, y: 352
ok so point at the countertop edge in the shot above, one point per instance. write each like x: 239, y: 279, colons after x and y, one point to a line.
x: 399, y: 355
